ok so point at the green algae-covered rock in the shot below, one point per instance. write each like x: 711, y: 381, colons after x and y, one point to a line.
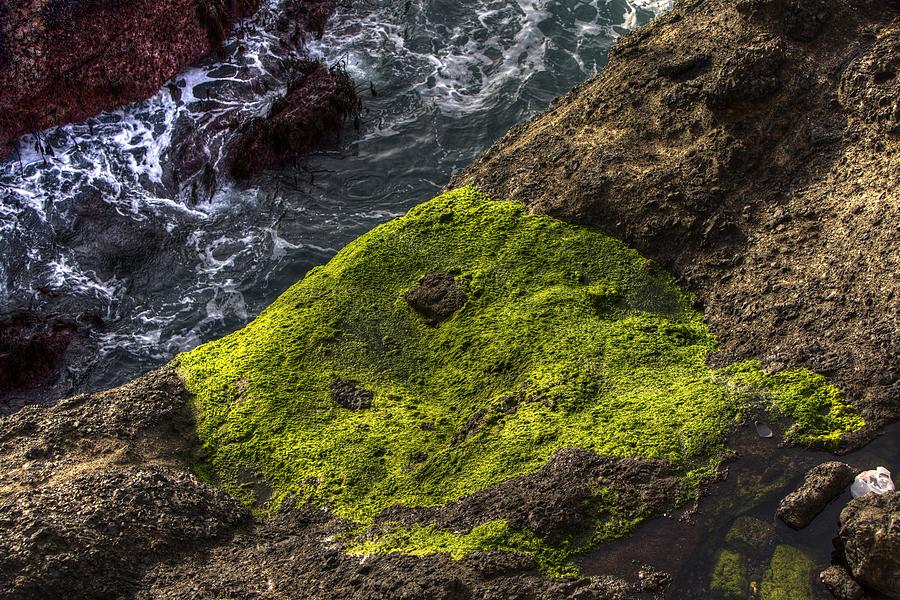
x: 750, y: 535
x: 543, y: 336
x: 788, y: 576
x: 729, y: 576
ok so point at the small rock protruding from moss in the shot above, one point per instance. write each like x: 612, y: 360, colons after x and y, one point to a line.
x: 788, y: 576
x: 729, y: 577
x: 750, y: 535
x: 822, y: 484
x: 841, y: 584
x: 436, y: 298
x: 350, y: 395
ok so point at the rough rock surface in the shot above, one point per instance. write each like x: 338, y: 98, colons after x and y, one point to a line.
x: 66, y: 60
x: 870, y: 536
x: 841, y: 585
x: 96, y: 488
x: 752, y: 147
x: 822, y: 484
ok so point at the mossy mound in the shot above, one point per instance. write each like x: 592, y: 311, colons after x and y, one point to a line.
x: 566, y: 338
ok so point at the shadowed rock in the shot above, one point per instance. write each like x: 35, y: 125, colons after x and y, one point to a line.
x: 318, y: 101
x: 841, y: 585
x: 870, y: 535
x: 350, y: 395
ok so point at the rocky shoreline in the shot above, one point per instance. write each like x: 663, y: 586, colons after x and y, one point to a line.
x: 749, y: 146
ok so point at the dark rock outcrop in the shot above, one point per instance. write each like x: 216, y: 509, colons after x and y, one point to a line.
x: 66, y: 60
x: 350, y: 395
x: 870, y: 537
x: 554, y: 502
x: 840, y: 583
x: 822, y: 484
x: 31, y: 351
x: 759, y: 162
x: 436, y: 298
x: 318, y: 101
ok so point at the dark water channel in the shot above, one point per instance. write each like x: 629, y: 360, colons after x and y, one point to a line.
x: 686, y: 543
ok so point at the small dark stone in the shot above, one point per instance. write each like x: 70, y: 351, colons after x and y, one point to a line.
x: 348, y: 394
x: 436, y: 298
x: 822, y: 484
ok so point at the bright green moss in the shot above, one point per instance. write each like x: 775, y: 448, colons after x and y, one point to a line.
x: 729, y: 576
x: 610, y: 522
x: 493, y: 535
x: 820, y: 416
x: 788, y: 575
x: 600, y: 348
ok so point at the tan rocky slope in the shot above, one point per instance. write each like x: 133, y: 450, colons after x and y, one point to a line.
x: 753, y: 147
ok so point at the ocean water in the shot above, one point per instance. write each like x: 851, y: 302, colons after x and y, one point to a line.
x: 129, y: 221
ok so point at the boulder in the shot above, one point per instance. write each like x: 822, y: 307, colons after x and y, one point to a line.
x: 841, y: 584
x: 870, y: 535
x: 318, y: 100
x: 822, y: 484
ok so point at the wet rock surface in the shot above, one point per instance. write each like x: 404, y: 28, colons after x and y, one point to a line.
x: 870, y: 537
x: 436, y: 298
x: 317, y: 102
x: 822, y: 484
x: 65, y: 60
x: 758, y: 162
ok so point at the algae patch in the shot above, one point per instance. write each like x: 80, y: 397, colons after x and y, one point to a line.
x: 788, y: 576
x: 566, y: 338
x: 729, y: 577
